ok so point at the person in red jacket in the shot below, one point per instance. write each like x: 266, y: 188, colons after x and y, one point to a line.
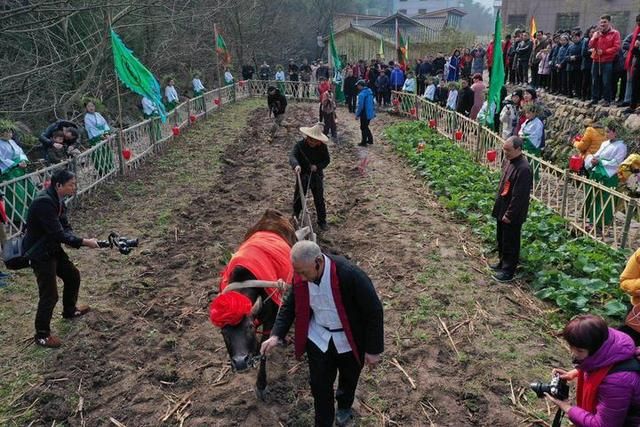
x: 604, y: 46
x: 490, y: 55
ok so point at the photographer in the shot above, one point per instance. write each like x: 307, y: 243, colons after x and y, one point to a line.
x: 47, y: 229
x: 608, y: 390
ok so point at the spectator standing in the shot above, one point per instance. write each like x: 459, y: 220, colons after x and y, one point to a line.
x: 397, y: 78
x: 466, y: 62
x: 452, y: 97
x: 305, y: 78
x: 523, y: 53
x: 478, y: 87
x: 544, y: 68
x: 365, y: 111
x: 430, y: 90
x: 247, y: 72
x: 350, y: 91
x: 574, y: 62
x: 632, y: 65
x: 465, y: 98
x: 511, y: 207
x: 587, y: 64
x: 453, y: 68
x: 479, y: 54
x: 604, y: 46
x: 228, y: 77
x: 410, y: 83
x: 383, y: 90
x: 294, y: 76
x: 561, y: 64
x: 171, y: 95
x: 532, y: 130
x: 13, y: 164
x: 438, y: 64
x: 280, y: 79
x: 97, y: 128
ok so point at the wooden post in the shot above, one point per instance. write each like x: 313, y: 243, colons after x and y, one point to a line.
x: 120, y: 139
x: 627, y: 223
x: 215, y: 30
x: 565, y: 190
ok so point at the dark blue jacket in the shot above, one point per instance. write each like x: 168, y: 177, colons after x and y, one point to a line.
x: 575, y: 49
x: 586, y: 55
x: 397, y: 78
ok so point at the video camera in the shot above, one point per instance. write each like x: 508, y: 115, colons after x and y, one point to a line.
x: 557, y: 388
x: 124, y: 245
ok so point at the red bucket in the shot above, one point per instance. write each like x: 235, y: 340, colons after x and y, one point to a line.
x: 458, y: 135
x: 492, y: 155
x: 126, y: 153
x: 176, y: 131
x: 433, y: 124
x: 396, y: 101
x: 413, y: 112
x: 192, y: 118
x: 216, y: 101
x: 576, y: 163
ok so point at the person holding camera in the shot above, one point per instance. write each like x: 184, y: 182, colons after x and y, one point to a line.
x: 607, y: 374
x: 47, y: 229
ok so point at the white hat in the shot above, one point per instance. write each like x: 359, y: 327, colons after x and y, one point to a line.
x: 315, y: 132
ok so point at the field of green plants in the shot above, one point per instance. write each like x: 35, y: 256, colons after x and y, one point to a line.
x: 577, y: 274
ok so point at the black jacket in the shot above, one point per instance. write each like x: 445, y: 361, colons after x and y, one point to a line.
x: 47, y: 217
x: 465, y: 101
x: 438, y: 66
x: 523, y: 50
x: 45, y: 137
x: 514, y: 191
x: 350, y: 85
x: 304, y: 156
x: 277, y: 103
x: 361, y: 305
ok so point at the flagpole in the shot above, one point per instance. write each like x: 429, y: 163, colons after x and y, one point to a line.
x: 215, y: 30
x: 120, y: 139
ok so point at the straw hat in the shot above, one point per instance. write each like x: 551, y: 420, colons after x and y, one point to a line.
x: 315, y: 132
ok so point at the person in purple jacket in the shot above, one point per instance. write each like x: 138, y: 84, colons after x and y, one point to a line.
x: 608, y: 375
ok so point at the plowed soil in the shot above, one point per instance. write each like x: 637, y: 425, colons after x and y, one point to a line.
x: 147, y: 354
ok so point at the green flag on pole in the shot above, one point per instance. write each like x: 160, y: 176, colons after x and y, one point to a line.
x: 221, y: 49
x: 497, y: 73
x: 134, y: 75
x: 337, y: 68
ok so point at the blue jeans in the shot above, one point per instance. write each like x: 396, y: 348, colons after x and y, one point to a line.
x: 601, y: 75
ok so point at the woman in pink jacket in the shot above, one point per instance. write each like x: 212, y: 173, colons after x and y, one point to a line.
x: 607, y: 373
x: 478, y: 88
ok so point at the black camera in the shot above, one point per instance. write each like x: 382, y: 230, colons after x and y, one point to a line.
x: 124, y: 245
x: 557, y: 388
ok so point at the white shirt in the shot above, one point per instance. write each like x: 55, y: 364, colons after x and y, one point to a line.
x: 325, y: 315
x: 95, y: 124
x: 507, y: 116
x: 171, y: 94
x: 148, y: 106
x: 280, y: 76
x: 430, y: 92
x: 610, y: 154
x: 452, y: 99
x: 532, y: 130
x: 10, y: 154
x: 228, y: 77
x: 409, y: 85
x: 197, y: 85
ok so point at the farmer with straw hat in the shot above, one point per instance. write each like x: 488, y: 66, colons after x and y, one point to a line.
x: 308, y: 159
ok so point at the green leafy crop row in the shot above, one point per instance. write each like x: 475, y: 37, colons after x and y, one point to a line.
x: 578, y: 274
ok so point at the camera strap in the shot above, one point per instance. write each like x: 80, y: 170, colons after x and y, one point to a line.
x: 557, y: 420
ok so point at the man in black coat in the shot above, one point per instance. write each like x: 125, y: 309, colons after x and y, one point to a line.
x: 465, y: 98
x: 511, y: 207
x: 47, y: 229
x: 308, y: 158
x: 277, y: 104
x: 523, y: 53
x: 339, y: 323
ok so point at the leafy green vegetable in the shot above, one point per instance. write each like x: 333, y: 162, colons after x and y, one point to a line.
x: 578, y: 274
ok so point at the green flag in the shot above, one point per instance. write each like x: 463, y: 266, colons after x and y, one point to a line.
x: 337, y: 68
x: 497, y: 73
x: 134, y: 75
x: 221, y: 49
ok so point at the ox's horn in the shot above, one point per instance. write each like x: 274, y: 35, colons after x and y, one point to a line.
x: 257, y: 307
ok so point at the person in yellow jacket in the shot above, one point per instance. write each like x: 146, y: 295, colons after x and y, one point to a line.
x: 630, y: 278
x: 630, y: 284
x: 592, y: 139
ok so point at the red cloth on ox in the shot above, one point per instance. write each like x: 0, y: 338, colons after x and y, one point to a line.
x: 229, y: 309
x: 267, y: 256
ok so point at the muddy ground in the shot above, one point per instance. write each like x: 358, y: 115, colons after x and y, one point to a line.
x: 147, y: 354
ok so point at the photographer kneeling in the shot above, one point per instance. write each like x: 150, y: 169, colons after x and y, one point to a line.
x: 47, y: 229
x: 608, y: 390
